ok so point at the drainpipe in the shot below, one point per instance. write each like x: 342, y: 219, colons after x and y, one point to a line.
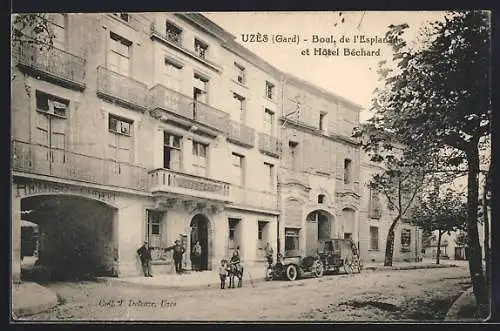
x: 278, y: 188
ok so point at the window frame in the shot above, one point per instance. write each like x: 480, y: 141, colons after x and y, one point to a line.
x: 405, y: 248
x: 201, y: 48
x: 270, y: 90
x: 51, y: 101
x: 176, y: 31
x: 241, y: 72
x: 372, y: 239
x: 121, y: 120
x: 347, y: 171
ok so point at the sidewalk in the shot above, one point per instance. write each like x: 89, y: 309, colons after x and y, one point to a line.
x: 191, y: 280
x: 425, y: 264
x: 31, y: 298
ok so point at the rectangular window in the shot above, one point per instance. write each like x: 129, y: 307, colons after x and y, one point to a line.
x: 57, y: 25
x: 240, y: 74
x: 322, y: 117
x: 347, y: 235
x: 123, y: 16
x: 240, y: 103
x: 262, y: 238
x: 405, y: 240
x: 233, y: 234
x: 119, y: 125
x: 270, y: 89
x: 292, y: 145
x: 238, y: 166
x: 119, y: 54
x: 292, y: 237
x: 200, y: 48
x: 173, y: 33
x: 373, y: 238
x: 51, y: 104
x: 171, y: 151
x: 269, y: 122
x: 347, y: 171
x: 200, y: 158
x: 200, y: 92
x: 375, y: 207
x: 269, y: 176
x: 154, y: 233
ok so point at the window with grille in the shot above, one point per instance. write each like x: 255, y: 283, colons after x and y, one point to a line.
x: 173, y: 33
x: 51, y: 104
x: 270, y: 89
x: 373, y: 238
x: 200, y: 48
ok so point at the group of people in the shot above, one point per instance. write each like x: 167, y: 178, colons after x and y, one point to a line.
x: 144, y: 253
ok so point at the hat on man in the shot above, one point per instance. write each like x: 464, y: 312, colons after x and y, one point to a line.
x: 145, y: 242
x: 177, y: 241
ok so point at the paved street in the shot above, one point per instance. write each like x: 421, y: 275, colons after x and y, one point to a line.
x: 370, y: 296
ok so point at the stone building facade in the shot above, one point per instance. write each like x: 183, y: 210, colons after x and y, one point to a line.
x: 155, y: 127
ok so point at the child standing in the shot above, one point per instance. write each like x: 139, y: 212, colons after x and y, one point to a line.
x: 223, y: 273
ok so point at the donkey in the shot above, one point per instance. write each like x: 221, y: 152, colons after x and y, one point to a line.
x: 235, y: 270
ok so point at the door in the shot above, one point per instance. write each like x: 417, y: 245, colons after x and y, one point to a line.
x: 199, y: 232
x: 49, y: 155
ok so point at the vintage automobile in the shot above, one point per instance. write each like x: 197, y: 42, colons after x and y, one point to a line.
x: 294, y: 267
x: 340, y: 253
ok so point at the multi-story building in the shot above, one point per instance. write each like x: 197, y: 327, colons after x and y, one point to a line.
x: 143, y: 126
x: 155, y: 127
x: 319, y: 174
x: 376, y: 219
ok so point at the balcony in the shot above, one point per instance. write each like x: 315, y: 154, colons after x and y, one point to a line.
x: 245, y: 197
x: 121, y: 89
x: 269, y: 145
x: 169, y: 181
x: 52, y: 64
x: 175, y: 41
x: 59, y: 163
x: 239, y: 133
x: 185, y: 107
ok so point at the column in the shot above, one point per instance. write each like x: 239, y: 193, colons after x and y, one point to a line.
x: 16, y: 237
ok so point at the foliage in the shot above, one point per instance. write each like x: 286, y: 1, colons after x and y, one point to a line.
x: 445, y: 213
x: 32, y: 27
x: 436, y: 101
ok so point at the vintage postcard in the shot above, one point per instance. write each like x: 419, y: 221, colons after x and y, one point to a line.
x: 251, y: 166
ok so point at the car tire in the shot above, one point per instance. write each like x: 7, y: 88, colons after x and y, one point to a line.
x: 318, y: 269
x: 291, y: 272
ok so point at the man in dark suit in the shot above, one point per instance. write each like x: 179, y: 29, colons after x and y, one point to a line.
x: 178, y: 252
x: 144, y: 253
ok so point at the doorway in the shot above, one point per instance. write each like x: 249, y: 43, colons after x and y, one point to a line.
x: 199, y: 232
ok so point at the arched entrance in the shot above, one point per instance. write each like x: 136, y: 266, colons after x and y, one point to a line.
x: 76, y: 238
x: 200, y: 230
x: 319, y: 225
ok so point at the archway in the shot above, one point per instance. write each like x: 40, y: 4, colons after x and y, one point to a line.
x: 319, y: 225
x: 76, y: 237
x: 200, y: 230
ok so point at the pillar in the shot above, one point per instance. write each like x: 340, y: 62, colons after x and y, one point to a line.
x: 16, y: 237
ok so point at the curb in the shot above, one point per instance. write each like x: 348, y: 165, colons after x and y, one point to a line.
x: 214, y: 285
x: 465, y: 298
x: 414, y: 267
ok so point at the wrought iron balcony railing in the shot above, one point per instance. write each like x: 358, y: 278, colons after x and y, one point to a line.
x: 241, y: 134
x: 269, y: 145
x: 182, y: 105
x: 52, y: 63
x: 166, y: 180
x: 121, y: 89
x: 60, y: 163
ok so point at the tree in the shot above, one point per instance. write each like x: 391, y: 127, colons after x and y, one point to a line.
x: 436, y: 100
x: 441, y: 213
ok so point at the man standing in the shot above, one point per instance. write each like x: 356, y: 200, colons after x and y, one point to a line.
x: 178, y: 252
x: 144, y: 253
x: 196, y: 260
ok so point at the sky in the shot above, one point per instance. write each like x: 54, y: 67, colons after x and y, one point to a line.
x: 352, y: 77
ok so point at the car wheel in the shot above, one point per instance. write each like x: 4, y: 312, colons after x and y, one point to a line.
x: 348, y: 267
x: 318, y: 269
x: 291, y: 272
x: 269, y: 274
